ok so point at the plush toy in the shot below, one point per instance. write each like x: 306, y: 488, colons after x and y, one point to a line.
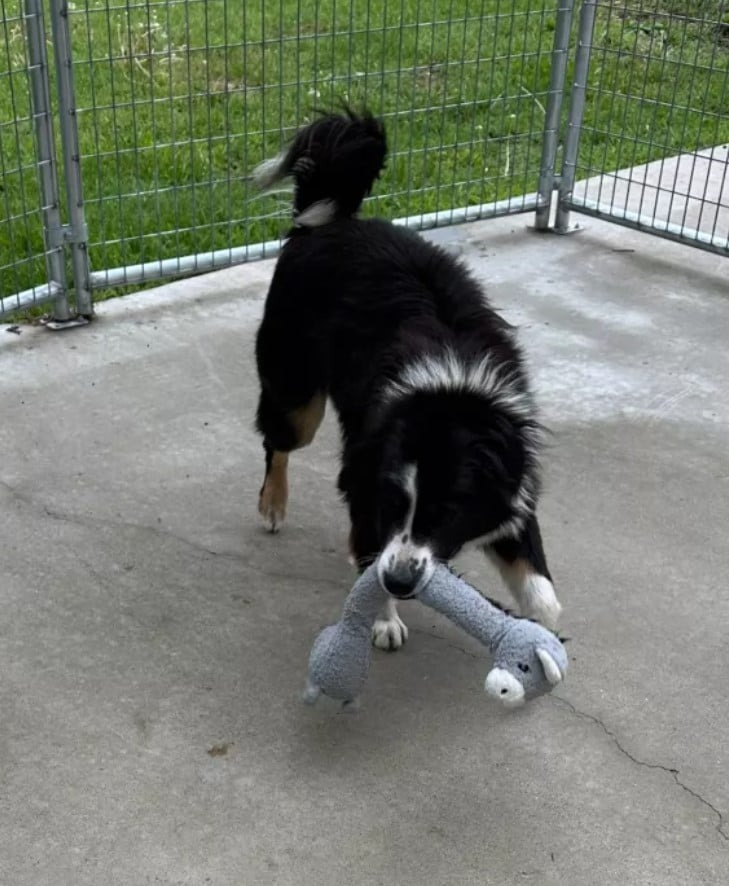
x: 528, y: 660
x: 340, y: 657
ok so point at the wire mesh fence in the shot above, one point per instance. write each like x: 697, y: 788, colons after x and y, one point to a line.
x: 177, y: 101
x: 654, y: 75
x: 152, y: 113
x: 31, y: 267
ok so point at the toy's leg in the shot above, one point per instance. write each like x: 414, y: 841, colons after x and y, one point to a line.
x: 311, y: 693
x: 523, y: 566
x: 283, y: 431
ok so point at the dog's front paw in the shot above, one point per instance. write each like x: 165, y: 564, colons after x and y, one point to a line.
x: 389, y: 633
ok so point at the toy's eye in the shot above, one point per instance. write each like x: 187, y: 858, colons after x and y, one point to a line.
x: 524, y: 668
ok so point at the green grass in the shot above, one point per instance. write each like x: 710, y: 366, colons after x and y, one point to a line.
x: 179, y: 100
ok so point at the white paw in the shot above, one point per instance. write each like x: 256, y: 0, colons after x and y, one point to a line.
x: 389, y: 633
x: 538, y: 601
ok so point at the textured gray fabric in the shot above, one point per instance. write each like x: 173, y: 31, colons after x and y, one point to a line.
x: 513, y: 642
x: 340, y: 657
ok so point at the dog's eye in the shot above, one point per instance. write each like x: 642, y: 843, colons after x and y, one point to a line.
x: 524, y: 668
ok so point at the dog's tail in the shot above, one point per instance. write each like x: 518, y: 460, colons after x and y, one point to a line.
x: 334, y: 162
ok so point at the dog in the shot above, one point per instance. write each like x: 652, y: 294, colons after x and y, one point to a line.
x: 440, y: 436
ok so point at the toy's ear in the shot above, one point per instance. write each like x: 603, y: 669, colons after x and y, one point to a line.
x: 551, y: 668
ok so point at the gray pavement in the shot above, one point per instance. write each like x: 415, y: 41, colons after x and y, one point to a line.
x: 153, y: 638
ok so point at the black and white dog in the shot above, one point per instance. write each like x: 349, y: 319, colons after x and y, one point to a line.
x: 440, y: 435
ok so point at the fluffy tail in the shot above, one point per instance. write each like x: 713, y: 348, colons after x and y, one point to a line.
x: 334, y: 162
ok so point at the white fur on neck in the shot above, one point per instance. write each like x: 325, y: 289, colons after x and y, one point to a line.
x: 448, y: 371
x: 318, y: 214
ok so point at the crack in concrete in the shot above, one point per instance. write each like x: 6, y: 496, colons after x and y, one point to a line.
x: 91, y: 523
x: 674, y: 773
x: 96, y: 522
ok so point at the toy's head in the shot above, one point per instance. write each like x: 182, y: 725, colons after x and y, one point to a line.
x: 528, y: 661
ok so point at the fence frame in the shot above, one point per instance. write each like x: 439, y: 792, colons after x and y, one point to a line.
x: 56, y: 286
x: 567, y: 202
x: 75, y: 233
x: 72, y: 236
x: 552, y: 202
x: 549, y: 178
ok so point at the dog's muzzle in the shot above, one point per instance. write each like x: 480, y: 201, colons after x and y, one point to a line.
x: 403, y: 579
x: 404, y: 570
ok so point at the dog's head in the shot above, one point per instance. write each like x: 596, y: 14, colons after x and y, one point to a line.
x: 445, y: 469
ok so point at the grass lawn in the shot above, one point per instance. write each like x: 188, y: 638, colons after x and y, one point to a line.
x: 179, y: 100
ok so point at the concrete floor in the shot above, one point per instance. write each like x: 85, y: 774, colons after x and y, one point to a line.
x: 153, y: 638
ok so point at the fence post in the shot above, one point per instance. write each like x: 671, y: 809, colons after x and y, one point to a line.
x: 550, y: 140
x: 77, y: 236
x: 46, y: 156
x: 576, y: 113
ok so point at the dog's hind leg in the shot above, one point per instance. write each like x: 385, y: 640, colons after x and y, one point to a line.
x: 283, y: 431
x: 523, y: 566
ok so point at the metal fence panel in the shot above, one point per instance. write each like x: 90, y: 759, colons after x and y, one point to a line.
x: 651, y: 83
x: 31, y: 255
x: 178, y: 100
x: 163, y: 107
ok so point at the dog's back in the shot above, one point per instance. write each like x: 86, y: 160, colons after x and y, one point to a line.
x: 363, y: 293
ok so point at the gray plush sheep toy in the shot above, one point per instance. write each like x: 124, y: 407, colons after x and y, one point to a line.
x: 528, y: 660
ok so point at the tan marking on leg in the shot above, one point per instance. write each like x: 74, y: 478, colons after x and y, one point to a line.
x: 306, y: 419
x: 532, y: 591
x: 275, y: 492
x: 514, y: 574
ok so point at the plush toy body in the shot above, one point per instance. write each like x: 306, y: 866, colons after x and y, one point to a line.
x: 340, y: 658
x: 528, y: 660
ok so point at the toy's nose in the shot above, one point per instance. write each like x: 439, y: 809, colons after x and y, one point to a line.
x: 504, y: 687
x: 402, y: 577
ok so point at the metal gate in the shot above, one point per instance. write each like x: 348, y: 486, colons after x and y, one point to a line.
x: 128, y: 129
x: 651, y: 83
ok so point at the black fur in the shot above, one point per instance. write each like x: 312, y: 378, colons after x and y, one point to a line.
x: 353, y: 303
x: 338, y: 158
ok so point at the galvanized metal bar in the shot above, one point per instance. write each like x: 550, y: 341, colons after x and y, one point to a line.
x: 71, y: 155
x: 552, y: 122
x: 178, y: 104
x: 46, y: 155
x: 651, y: 225
x: 221, y: 258
x: 30, y: 298
x: 576, y: 112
